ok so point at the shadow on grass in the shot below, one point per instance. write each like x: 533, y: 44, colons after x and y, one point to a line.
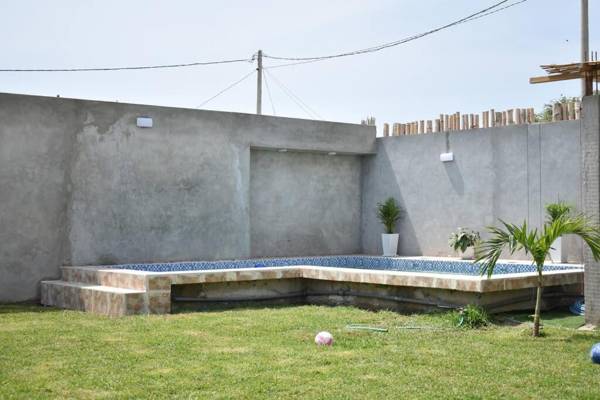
x: 182, y: 307
x: 29, y: 307
x: 561, y: 318
x: 191, y: 307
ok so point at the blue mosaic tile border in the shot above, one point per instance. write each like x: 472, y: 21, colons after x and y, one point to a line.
x: 358, y: 262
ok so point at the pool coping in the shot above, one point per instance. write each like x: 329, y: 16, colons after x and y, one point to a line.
x: 151, y: 281
x: 117, y: 291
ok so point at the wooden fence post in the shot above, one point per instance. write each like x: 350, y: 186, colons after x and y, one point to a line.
x: 571, y: 107
x: 532, y: 115
x: 564, y: 111
x: 556, y: 112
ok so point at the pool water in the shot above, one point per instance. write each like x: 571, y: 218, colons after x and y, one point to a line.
x: 444, y: 266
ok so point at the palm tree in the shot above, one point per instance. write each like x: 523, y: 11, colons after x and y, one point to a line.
x: 537, y: 244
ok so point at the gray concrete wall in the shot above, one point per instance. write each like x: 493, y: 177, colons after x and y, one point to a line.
x: 35, y: 156
x: 304, y: 203
x: 81, y: 184
x: 508, y: 173
x: 590, y: 159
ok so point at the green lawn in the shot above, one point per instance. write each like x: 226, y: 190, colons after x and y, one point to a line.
x: 269, y: 353
x: 561, y: 319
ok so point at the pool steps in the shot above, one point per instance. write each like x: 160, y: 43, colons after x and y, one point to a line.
x: 106, y: 292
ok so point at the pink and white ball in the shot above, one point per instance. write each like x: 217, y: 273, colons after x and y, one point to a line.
x: 324, y: 339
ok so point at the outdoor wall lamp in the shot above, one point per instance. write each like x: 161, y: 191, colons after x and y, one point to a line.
x: 144, y: 122
x: 446, y: 157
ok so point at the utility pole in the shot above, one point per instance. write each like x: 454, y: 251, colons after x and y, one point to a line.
x: 259, y: 70
x: 585, y: 42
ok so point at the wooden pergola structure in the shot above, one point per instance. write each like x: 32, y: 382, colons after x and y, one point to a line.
x: 589, y: 71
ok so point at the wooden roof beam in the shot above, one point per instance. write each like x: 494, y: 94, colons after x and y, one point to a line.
x: 554, y: 78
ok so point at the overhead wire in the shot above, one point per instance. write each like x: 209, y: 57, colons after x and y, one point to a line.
x: 227, y: 88
x: 309, y: 111
x: 297, y: 60
x: 269, y: 93
x: 141, y: 67
x: 480, y: 14
x: 495, y: 8
x: 275, y: 66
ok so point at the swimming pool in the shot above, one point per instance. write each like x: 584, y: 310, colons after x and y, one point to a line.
x: 406, y: 264
x: 397, y: 283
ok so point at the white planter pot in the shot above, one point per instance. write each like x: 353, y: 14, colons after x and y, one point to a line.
x: 469, y: 254
x: 389, y: 242
x: 558, y: 251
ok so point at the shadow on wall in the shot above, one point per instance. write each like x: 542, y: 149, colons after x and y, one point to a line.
x: 455, y: 177
x: 408, y: 244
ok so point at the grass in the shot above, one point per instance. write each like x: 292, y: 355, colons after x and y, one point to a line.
x: 560, y: 319
x: 269, y: 353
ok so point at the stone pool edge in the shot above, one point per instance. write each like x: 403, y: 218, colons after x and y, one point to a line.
x: 119, y: 292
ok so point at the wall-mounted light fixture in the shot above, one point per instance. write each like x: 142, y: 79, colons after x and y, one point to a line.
x: 446, y: 157
x: 332, y: 153
x: 144, y: 122
x: 282, y: 150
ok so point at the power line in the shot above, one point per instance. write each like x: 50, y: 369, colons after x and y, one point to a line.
x: 480, y: 14
x: 495, y: 11
x: 288, y: 94
x: 227, y: 88
x: 269, y: 93
x: 290, y: 64
x: 298, y: 60
x: 193, y: 64
x: 295, y: 98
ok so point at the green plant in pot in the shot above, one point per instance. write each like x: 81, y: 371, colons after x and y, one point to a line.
x: 389, y: 213
x: 464, y: 242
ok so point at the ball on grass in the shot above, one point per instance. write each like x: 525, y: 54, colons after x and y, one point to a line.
x: 324, y: 339
x: 595, y: 353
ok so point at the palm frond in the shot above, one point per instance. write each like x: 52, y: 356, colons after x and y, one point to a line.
x: 578, y: 225
x: 512, y: 238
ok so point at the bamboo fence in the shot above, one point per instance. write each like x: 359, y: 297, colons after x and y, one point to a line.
x: 561, y: 111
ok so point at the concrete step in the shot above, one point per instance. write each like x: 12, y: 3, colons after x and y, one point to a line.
x: 105, y: 277
x: 98, y: 299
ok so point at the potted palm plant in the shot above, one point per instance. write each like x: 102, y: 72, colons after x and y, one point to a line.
x: 389, y: 213
x: 464, y: 242
x: 558, y: 250
x: 538, y: 244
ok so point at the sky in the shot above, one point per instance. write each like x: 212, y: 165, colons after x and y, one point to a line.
x: 468, y: 68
